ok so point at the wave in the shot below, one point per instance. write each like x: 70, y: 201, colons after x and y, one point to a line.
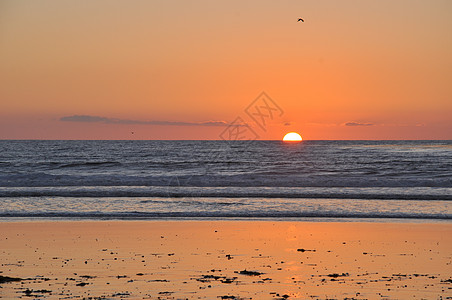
x: 102, y: 177
x: 415, y: 193
x: 91, y: 164
x: 224, y: 215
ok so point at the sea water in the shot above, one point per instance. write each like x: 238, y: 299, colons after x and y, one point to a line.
x: 310, y: 180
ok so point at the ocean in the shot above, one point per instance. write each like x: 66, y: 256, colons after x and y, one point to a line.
x: 226, y: 180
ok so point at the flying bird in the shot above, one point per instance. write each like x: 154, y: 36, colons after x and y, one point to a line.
x: 300, y: 19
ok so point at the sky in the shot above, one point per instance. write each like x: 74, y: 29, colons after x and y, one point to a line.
x: 106, y: 69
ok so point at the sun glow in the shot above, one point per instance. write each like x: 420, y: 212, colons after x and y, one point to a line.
x: 292, y: 137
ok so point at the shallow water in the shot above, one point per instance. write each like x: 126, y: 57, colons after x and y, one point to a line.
x: 223, y: 179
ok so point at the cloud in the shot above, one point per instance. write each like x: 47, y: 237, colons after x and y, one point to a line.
x: 358, y: 124
x: 322, y: 124
x: 85, y: 118
x: 405, y: 124
x: 97, y: 119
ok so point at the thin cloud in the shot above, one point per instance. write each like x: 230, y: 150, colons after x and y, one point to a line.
x: 405, y: 125
x: 322, y: 124
x: 97, y: 119
x: 358, y: 124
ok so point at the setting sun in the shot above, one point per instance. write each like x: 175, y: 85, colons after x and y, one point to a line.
x: 292, y: 137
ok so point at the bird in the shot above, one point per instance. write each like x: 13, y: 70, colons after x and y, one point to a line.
x: 300, y: 19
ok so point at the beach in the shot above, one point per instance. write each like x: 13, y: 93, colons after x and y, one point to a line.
x: 225, y: 150
x: 225, y: 260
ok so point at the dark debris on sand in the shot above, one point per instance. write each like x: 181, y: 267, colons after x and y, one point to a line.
x: 36, y: 293
x: 82, y: 284
x: 335, y: 275
x: 209, y: 278
x: 4, y: 279
x: 249, y: 273
x: 126, y: 294
x: 305, y: 250
x: 280, y: 297
x: 231, y: 297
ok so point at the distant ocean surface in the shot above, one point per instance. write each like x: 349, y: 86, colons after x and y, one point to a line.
x: 313, y: 180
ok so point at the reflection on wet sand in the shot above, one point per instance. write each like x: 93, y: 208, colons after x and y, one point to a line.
x: 225, y: 260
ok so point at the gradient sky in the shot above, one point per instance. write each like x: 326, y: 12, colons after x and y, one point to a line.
x: 183, y: 69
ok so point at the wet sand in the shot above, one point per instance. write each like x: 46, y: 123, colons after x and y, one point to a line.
x: 225, y: 260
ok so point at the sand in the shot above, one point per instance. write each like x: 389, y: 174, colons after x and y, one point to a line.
x: 225, y: 260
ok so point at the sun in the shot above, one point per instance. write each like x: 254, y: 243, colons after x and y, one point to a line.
x: 292, y: 137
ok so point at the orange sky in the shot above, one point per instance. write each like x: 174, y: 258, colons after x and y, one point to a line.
x: 383, y: 66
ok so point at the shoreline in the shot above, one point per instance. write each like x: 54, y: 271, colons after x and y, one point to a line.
x: 175, y: 259
x: 370, y: 220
